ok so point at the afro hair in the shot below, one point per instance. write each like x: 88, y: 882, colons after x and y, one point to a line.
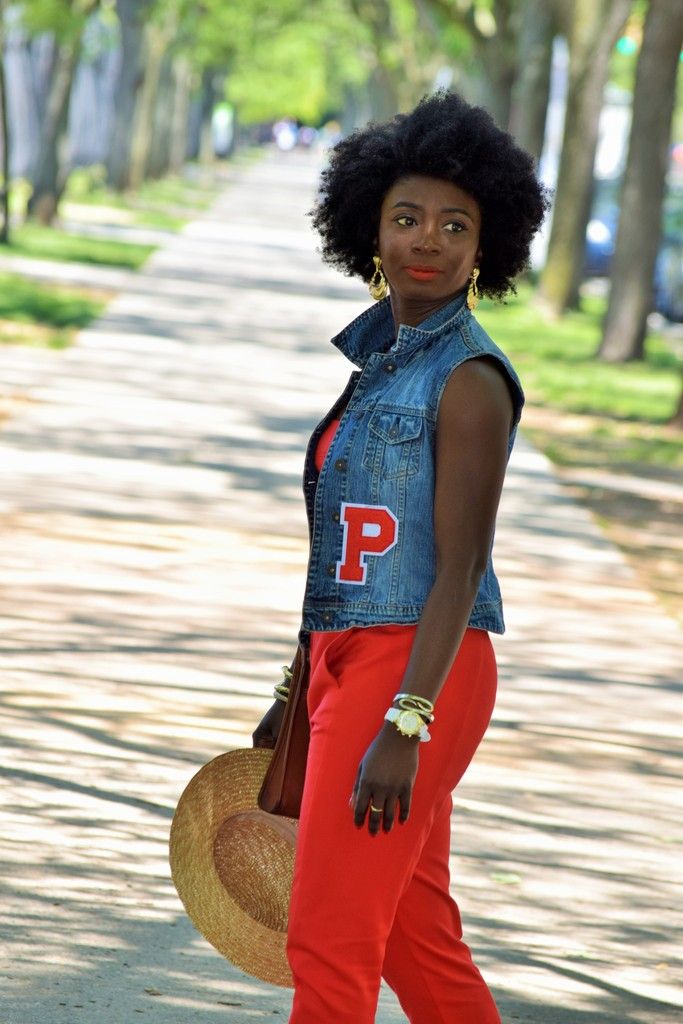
x: 443, y: 137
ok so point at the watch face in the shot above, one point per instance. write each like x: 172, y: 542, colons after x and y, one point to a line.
x: 411, y: 722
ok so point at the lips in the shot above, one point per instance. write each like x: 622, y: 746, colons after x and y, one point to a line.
x: 420, y: 273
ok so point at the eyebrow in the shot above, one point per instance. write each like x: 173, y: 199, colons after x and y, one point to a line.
x: 446, y: 209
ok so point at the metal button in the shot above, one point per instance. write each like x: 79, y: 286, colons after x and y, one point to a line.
x: 336, y: 517
x: 393, y: 432
x: 390, y: 367
x: 332, y: 569
x: 340, y: 464
x: 327, y: 616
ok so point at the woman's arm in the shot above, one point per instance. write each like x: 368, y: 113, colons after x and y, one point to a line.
x: 473, y: 426
x: 472, y: 431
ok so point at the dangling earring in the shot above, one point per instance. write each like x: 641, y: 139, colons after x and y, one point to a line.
x: 473, y: 291
x: 378, y: 284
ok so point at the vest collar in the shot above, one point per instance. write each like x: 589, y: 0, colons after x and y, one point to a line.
x: 374, y: 330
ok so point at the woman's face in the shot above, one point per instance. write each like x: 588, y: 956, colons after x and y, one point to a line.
x: 428, y: 239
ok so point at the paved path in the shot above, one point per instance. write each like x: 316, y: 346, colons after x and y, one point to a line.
x: 152, y: 554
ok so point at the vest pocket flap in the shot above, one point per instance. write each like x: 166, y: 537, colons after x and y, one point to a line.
x: 394, y: 427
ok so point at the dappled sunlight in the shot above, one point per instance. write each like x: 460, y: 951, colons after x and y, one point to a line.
x: 153, y: 550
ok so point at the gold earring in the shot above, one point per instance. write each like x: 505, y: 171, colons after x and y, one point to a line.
x: 473, y: 291
x: 378, y: 284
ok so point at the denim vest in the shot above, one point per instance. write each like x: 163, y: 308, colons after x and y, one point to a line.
x: 370, y: 509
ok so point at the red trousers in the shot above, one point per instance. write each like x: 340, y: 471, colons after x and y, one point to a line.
x: 365, y: 907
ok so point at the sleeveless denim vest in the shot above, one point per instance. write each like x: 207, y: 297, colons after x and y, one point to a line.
x: 370, y: 509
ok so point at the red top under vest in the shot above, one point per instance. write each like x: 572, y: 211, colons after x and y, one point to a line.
x: 324, y: 443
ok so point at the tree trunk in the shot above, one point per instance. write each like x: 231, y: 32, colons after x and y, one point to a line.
x: 640, y: 216
x: 158, y: 155
x: 677, y: 418
x: 132, y: 15
x: 498, y: 80
x: 594, y: 31
x: 383, y: 94
x: 49, y: 175
x: 210, y: 79
x: 532, y: 86
x: 181, y: 114
x: 156, y: 40
x: 4, y: 137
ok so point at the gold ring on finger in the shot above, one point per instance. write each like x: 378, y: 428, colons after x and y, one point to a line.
x: 377, y: 810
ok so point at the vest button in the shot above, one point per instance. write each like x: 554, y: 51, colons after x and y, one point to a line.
x: 335, y: 517
x: 332, y: 569
x: 340, y: 464
x: 327, y: 616
x: 393, y: 432
x: 390, y: 367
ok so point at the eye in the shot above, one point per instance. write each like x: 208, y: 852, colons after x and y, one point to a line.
x: 405, y: 217
x: 455, y: 226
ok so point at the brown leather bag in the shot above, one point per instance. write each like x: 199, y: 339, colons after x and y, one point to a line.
x: 284, y: 782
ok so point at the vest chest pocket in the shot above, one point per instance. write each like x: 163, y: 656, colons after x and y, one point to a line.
x: 393, y: 445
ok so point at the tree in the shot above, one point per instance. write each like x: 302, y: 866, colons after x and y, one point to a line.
x: 132, y: 16
x: 158, y: 33
x: 4, y: 137
x: 492, y: 30
x: 639, y: 229
x: 529, y: 102
x: 677, y: 418
x: 595, y: 27
x: 66, y: 19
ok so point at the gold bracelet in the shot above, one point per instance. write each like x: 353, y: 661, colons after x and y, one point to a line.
x: 287, y: 672
x: 421, y: 702
x: 281, y: 692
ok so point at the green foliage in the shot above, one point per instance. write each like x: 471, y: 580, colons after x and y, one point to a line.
x: 54, y: 244
x: 557, y: 363
x: 55, y: 313
x: 607, y: 415
x: 163, y: 203
x: 297, y: 72
x: 64, y: 18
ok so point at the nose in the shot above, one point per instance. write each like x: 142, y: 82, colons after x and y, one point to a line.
x: 427, y: 240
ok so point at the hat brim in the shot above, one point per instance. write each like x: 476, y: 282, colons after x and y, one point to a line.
x: 232, y: 864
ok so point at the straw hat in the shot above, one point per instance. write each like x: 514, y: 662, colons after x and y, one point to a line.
x: 232, y: 864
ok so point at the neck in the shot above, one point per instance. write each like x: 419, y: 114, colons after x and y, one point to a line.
x: 412, y: 313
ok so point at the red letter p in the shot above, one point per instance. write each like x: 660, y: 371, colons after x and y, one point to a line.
x: 368, y: 530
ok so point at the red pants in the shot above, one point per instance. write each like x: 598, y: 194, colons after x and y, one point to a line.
x: 365, y: 907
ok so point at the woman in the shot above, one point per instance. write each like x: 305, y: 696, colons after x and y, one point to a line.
x: 402, y: 483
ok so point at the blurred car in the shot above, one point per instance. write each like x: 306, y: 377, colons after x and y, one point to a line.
x: 669, y: 267
x: 601, y: 234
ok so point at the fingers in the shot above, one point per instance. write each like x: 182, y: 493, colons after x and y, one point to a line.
x: 404, y: 805
x: 380, y: 810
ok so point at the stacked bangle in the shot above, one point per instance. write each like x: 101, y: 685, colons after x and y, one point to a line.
x: 281, y: 691
x: 411, y: 715
x: 411, y: 702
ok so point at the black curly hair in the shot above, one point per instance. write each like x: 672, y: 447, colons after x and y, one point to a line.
x: 443, y: 137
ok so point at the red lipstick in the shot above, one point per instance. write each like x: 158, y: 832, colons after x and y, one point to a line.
x: 422, y: 273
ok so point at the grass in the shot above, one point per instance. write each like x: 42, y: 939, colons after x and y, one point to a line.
x: 40, y: 242
x: 598, y: 414
x: 40, y: 315
x: 166, y: 203
x: 592, y: 419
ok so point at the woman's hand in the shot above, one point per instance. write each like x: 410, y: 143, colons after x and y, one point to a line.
x: 385, y: 775
x: 267, y: 731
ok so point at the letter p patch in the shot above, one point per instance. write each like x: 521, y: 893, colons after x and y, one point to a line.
x: 368, y: 530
